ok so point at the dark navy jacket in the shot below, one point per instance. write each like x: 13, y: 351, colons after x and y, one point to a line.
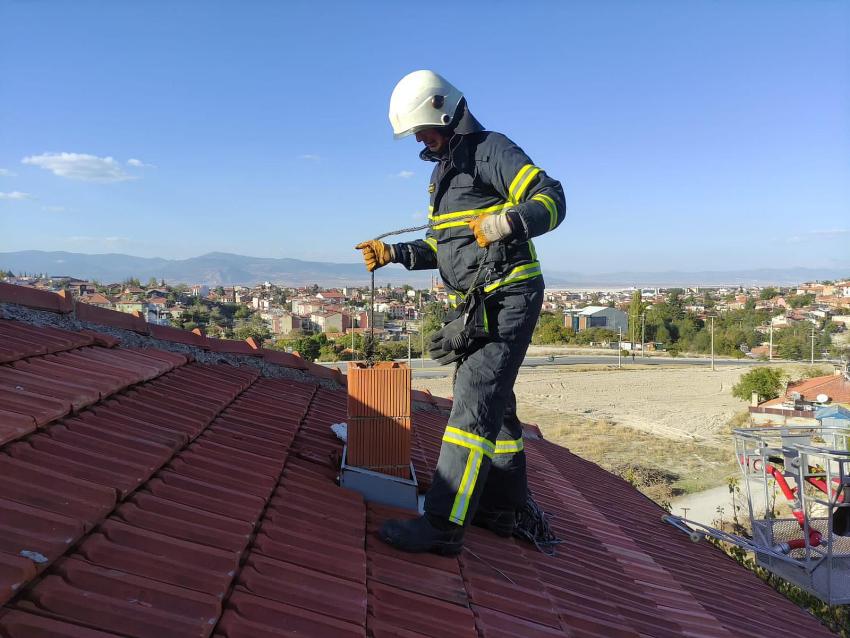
x: 484, y: 173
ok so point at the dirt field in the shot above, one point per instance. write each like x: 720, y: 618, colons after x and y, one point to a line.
x: 667, y: 421
x: 689, y: 403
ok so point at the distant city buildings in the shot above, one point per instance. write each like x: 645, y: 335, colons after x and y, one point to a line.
x: 288, y: 311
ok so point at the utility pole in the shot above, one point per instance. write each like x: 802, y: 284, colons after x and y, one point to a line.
x: 620, y: 349
x: 813, y: 346
x: 712, y: 342
x: 421, y: 332
x: 643, y: 335
x: 408, y: 349
x: 770, y: 347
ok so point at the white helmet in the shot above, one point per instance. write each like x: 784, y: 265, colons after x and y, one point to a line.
x: 422, y: 99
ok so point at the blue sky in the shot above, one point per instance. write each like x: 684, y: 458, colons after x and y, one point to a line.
x: 688, y: 136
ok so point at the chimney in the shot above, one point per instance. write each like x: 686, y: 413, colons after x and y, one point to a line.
x: 754, y: 399
x: 379, y: 418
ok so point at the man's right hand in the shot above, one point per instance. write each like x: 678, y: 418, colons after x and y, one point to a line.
x: 375, y: 253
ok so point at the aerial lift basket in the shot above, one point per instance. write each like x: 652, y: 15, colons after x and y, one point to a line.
x: 807, y: 468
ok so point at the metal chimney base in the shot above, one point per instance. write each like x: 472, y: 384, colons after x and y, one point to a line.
x: 380, y: 488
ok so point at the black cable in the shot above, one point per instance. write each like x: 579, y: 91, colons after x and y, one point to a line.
x: 532, y: 525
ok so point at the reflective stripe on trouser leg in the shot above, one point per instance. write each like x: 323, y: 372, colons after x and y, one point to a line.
x: 483, y: 391
x: 506, y: 487
x: 467, y: 485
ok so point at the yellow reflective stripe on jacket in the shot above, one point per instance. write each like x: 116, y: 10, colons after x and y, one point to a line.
x: 549, y: 203
x: 532, y: 249
x: 521, y: 181
x: 445, y: 217
x: 509, y: 447
x: 520, y: 273
x: 469, y: 440
x: 460, y: 508
x: 432, y: 243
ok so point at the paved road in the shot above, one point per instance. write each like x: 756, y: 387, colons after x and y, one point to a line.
x: 430, y: 369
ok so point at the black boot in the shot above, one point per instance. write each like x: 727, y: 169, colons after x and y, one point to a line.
x: 500, y: 522
x: 423, y: 534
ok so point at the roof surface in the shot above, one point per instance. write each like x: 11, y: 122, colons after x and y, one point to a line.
x: 835, y: 386
x: 148, y: 494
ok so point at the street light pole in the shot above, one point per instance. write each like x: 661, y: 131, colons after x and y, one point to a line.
x: 421, y: 331
x: 643, y: 335
x: 620, y: 349
x: 712, y: 342
x: 770, y: 347
x: 813, y: 346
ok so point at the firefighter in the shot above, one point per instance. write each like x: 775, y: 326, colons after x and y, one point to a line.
x: 488, y: 201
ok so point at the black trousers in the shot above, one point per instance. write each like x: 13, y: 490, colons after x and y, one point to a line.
x: 481, y: 457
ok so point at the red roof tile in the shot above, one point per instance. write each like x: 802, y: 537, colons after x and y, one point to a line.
x: 18, y: 624
x: 19, y: 340
x: 835, y: 386
x: 167, y: 333
x: 231, y: 346
x: 186, y: 499
x: 111, y: 318
x: 34, y: 298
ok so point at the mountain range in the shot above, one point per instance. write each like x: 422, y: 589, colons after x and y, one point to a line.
x: 217, y: 268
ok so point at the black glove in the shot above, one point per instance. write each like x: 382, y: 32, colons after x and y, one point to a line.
x: 462, y: 327
x: 450, y: 342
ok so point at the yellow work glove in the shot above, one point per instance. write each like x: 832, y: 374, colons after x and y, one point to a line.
x: 375, y: 253
x: 490, y: 228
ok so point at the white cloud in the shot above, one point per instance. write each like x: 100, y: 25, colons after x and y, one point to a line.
x: 310, y: 157
x: 15, y: 195
x: 405, y: 174
x: 53, y: 209
x: 5, y: 172
x: 813, y: 235
x: 137, y: 163
x: 81, y: 166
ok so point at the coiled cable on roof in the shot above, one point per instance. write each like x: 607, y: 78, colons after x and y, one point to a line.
x: 532, y: 525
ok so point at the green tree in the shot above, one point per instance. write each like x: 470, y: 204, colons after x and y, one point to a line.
x: 432, y: 320
x: 766, y: 382
x: 800, y: 301
x: 636, y: 308
x: 256, y: 328
x: 768, y: 293
x: 309, y: 347
x: 550, y: 330
x: 792, y: 343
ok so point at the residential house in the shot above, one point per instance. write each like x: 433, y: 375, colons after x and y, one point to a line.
x: 96, y: 299
x: 363, y: 320
x: 801, y: 398
x: 596, y: 317
x: 331, y: 321
x: 333, y: 296
x: 281, y: 322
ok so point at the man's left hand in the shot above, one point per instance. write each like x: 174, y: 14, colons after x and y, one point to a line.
x: 490, y: 228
